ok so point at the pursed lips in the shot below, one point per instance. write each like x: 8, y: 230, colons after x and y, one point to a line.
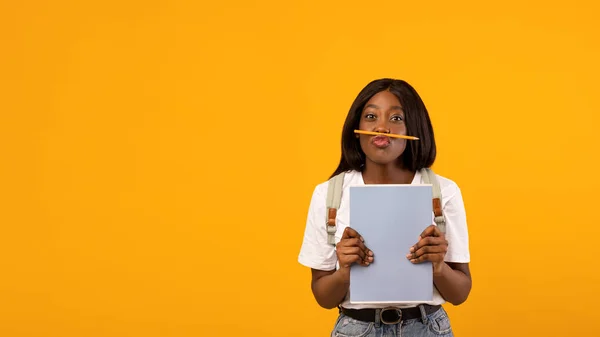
x: 381, y: 141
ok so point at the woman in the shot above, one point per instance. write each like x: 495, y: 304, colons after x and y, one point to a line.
x: 387, y: 106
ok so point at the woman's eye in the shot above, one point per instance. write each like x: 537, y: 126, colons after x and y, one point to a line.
x: 397, y: 118
x: 369, y: 116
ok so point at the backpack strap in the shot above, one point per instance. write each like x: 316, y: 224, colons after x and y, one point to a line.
x: 429, y: 177
x: 334, y: 198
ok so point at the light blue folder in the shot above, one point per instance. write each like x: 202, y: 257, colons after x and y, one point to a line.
x: 390, y: 218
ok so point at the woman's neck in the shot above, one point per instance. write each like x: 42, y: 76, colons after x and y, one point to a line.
x: 386, y: 174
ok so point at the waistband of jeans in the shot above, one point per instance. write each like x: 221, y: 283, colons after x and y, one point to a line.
x: 389, y: 315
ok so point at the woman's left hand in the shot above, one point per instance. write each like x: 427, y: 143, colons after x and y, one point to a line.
x: 432, y: 246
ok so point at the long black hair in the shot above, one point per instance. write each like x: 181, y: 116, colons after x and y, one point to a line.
x: 417, y: 155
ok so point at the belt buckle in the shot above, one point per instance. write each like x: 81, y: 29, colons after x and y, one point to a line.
x: 398, y: 314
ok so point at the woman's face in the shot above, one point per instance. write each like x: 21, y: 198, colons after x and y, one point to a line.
x: 382, y: 113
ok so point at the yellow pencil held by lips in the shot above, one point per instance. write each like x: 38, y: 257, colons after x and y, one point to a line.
x: 392, y: 135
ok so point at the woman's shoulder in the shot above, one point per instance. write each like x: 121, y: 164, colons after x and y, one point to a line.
x: 351, y: 177
x: 448, y: 186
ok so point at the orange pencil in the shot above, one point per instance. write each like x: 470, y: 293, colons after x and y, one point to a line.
x: 392, y: 135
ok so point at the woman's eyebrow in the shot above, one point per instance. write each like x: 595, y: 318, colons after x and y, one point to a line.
x: 396, y: 107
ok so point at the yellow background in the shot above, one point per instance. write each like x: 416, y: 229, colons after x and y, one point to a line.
x: 158, y: 158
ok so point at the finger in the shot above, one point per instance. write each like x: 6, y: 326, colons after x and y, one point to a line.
x: 365, y: 255
x: 432, y: 230
x: 345, y: 234
x: 432, y: 257
x: 356, y: 242
x: 355, y: 246
x: 429, y: 241
x: 355, y: 258
x: 353, y: 251
x: 427, y: 250
x: 351, y: 233
x: 348, y: 260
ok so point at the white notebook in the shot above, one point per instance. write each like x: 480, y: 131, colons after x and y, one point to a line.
x: 390, y: 218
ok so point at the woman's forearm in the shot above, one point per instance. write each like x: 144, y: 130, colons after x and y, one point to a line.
x: 453, y: 284
x: 330, y: 289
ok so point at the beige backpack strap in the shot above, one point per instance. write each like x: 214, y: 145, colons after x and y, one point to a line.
x: 334, y: 198
x: 429, y: 177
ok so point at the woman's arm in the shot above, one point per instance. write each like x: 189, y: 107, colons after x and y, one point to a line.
x: 453, y: 282
x: 449, y: 251
x: 330, y: 287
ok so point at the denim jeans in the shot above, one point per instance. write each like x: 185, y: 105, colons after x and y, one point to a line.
x: 434, y: 324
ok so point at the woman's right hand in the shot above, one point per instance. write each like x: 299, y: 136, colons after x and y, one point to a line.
x: 331, y: 287
x: 351, y: 249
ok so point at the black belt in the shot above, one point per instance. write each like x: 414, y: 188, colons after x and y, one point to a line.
x: 389, y: 315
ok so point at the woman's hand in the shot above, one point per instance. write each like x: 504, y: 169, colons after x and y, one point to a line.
x: 331, y: 287
x: 432, y: 246
x: 351, y: 249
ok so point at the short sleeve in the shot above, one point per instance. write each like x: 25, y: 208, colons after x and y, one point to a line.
x: 456, y: 226
x: 315, y: 252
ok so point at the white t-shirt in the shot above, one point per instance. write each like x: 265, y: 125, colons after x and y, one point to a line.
x: 316, y: 253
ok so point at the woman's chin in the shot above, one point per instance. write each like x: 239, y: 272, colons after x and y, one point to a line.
x: 382, y: 160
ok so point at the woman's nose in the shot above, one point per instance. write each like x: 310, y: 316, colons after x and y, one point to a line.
x: 382, y: 129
